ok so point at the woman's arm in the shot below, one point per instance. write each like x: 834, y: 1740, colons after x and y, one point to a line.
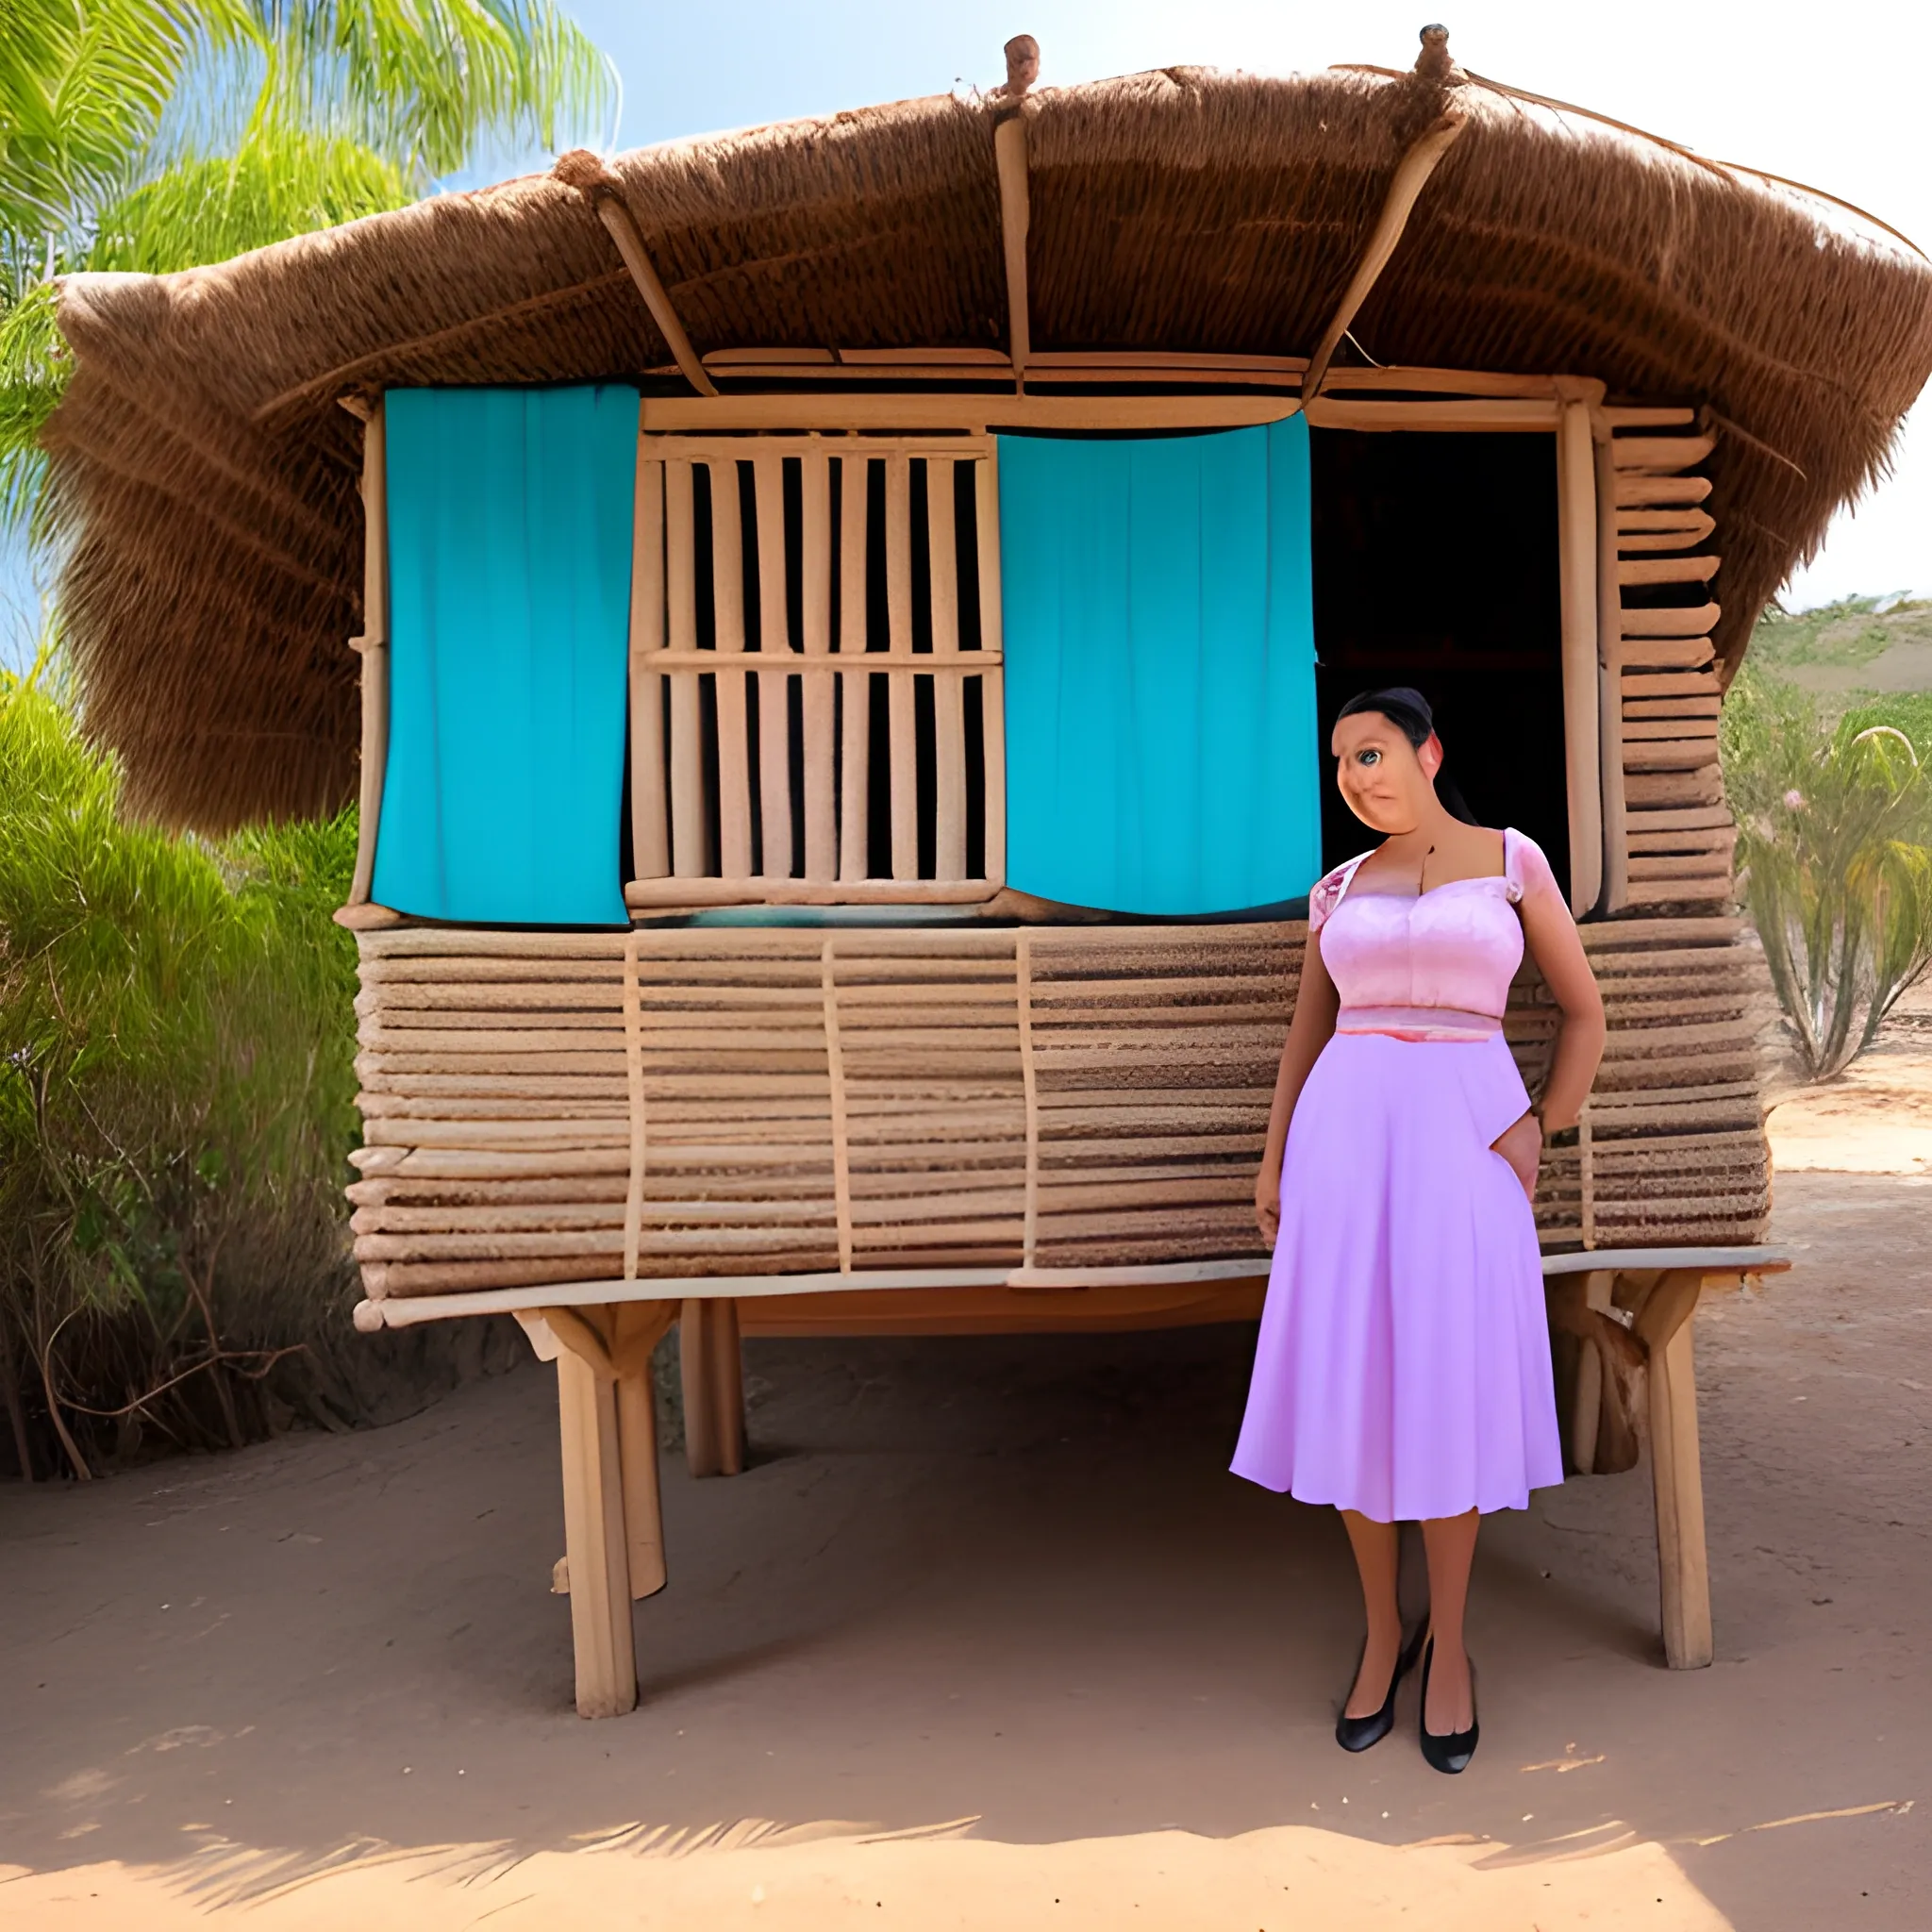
x: 1565, y: 967
x: 1316, y: 1004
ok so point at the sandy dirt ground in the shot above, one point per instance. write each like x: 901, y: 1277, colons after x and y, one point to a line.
x: 987, y: 1637
x: 1877, y: 1117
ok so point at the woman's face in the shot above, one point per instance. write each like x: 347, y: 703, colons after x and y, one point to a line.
x: 1388, y: 783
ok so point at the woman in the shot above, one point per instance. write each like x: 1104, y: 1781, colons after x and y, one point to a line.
x: 1403, y: 1368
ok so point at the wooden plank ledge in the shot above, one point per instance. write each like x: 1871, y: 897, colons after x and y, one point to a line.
x: 403, y: 1311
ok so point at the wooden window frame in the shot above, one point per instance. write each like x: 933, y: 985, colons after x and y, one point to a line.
x: 670, y: 804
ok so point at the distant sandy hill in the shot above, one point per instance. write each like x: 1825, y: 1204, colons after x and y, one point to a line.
x: 1852, y: 646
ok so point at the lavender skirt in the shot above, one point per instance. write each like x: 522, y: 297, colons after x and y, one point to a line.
x: 1403, y: 1368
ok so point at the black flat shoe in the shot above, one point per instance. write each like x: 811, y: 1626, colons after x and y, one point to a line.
x: 1359, y: 1733
x: 1452, y: 1752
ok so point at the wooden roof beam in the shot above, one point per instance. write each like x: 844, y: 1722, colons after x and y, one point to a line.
x: 582, y: 170
x: 1009, y: 156
x: 1412, y: 175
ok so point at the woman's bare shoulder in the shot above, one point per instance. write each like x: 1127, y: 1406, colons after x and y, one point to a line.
x: 1473, y: 852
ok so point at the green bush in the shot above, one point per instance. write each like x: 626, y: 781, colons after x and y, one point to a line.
x: 177, y: 1100
x: 1835, y: 818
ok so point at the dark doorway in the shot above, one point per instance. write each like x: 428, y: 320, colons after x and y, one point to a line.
x: 1435, y: 565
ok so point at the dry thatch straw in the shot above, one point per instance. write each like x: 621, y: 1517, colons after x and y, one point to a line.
x: 207, y: 477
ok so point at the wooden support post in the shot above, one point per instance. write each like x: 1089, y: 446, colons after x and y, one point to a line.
x: 594, y: 1539
x: 1664, y: 1326
x: 1586, y: 1416
x: 713, y: 1387
x: 374, y: 646
x: 1609, y: 636
x: 644, y: 1515
x: 1576, y: 538
x: 639, y: 1327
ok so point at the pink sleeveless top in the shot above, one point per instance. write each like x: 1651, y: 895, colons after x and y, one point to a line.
x: 1436, y: 966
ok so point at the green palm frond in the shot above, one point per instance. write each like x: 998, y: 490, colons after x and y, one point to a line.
x: 282, y: 182
x: 421, y: 80
x: 32, y: 374
x: 156, y: 135
x: 83, y: 87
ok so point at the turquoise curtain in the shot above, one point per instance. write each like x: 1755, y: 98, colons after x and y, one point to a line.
x: 1161, y: 754
x: 509, y: 541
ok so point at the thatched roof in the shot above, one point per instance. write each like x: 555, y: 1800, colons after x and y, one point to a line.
x: 206, y: 475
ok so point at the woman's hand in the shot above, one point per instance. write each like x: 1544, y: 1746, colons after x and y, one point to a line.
x: 1315, y: 1005
x: 1268, y: 1202
x: 1521, y: 1144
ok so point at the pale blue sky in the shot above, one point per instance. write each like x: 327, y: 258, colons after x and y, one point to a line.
x: 1830, y: 95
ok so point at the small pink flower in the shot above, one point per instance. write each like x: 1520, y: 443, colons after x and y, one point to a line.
x: 1795, y: 799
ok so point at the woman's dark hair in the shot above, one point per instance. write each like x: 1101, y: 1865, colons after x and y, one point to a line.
x: 1407, y: 709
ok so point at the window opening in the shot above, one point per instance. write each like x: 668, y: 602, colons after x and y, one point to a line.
x: 766, y: 566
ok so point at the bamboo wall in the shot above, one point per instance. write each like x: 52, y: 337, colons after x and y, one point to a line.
x: 1669, y: 833
x: 548, y: 1107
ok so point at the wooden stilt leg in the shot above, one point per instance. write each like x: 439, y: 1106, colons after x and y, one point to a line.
x: 1683, y: 1569
x: 713, y: 1387
x: 1589, y: 1411
x: 640, y: 1326
x: 643, y: 1521
x: 594, y: 1539
x: 1587, y: 1418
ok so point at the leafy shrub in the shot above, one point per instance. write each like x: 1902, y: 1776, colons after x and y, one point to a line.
x: 1834, y: 824
x: 176, y: 1099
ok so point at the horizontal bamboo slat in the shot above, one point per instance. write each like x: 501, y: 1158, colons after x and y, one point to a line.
x: 1671, y: 621
x: 1667, y: 570
x: 1661, y: 453
x: 1635, y: 490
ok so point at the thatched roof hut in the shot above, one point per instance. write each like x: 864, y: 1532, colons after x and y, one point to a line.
x: 208, y: 476
x: 833, y: 843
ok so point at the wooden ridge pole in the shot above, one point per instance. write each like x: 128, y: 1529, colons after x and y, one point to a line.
x: 1411, y: 177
